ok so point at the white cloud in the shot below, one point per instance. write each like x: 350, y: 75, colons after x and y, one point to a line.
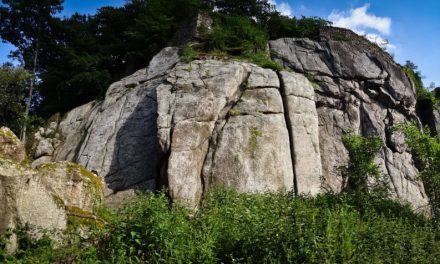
x: 380, y: 41
x: 362, y: 22
x: 283, y: 7
x: 358, y: 19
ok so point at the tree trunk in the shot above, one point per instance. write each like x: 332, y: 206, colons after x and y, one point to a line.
x: 31, y: 92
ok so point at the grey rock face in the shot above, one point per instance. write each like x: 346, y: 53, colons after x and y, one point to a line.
x: 302, y: 120
x: 229, y: 129
x: 117, y: 137
x: 162, y: 62
x: 225, y: 123
x: 360, y: 91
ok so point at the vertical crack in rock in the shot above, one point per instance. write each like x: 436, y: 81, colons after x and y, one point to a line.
x: 250, y: 152
x: 289, y: 129
x: 186, y: 125
x: 304, y: 127
x: 217, y: 133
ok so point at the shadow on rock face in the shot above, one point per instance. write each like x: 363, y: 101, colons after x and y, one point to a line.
x: 135, y: 161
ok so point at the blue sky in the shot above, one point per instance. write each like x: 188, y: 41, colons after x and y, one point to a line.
x: 411, y: 27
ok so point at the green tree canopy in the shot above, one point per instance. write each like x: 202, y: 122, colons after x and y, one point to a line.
x: 13, y: 83
x: 27, y: 25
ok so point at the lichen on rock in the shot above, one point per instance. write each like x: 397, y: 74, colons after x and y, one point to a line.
x: 73, y: 184
x: 10, y: 146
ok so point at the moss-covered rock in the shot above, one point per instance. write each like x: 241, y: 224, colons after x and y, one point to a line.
x: 24, y: 198
x: 73, y: 184
x: 77, y: 218
x: 10, y: 146
x: 54, y: 196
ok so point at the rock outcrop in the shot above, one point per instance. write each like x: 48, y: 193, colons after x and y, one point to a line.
x: 227, y: 123
x: 360, y: 91
x: 48, y: 197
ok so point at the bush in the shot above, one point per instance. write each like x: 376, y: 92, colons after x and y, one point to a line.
x: 188, y: 53
x: 257, y: 228
x: 362, y: 175
x: 415, y: 76
x: 236, y: 35
x: 426, y: 153
x: 263, y: 60
x: 275, y: 228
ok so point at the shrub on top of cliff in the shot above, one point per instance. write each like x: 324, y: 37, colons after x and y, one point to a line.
x: 263, y: 60
x: 415, y: 76
x: 188, y: 53
x: 426, y: 152
x: 236, y: 35
x: 279, y: 26
x: 362, y: 175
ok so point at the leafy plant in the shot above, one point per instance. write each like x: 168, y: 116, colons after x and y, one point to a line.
x: 232, y: 227
x: 415, y: 76
x: 236, y: 35
x: 263, y: 60
x: 188, y: 53
x: 426, y: 152
x: 362, y: 175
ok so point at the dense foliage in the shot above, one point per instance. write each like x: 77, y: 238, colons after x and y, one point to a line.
x: 355, y: 226
x: 254, y: 228
x: 79, y: 56
x: 362, y: 174
x: 427, y: 100
x: 415, y: 76
x: 13, y: 92
x: 426, y: 152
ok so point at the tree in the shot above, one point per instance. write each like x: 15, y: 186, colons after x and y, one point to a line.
x: 12, y: 93
x: 100, y: 49
x: 257, y: 9
x: 27, y: 25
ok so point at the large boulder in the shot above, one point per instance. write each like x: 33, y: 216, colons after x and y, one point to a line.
x: 48, y: 197
x: 10, y: 146
x: 117, y: 138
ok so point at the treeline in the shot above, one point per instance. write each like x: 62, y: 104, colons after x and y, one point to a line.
x: 73, y: 60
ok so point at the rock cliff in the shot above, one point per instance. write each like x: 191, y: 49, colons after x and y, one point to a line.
x: 190, y: 126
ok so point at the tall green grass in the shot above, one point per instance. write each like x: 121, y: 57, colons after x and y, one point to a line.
x: 258, y: 228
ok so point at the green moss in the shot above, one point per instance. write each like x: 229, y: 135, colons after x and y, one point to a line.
x: 253, y: 141
x: 339, y: 36
x: 11, y: 168
x: 7, y: 133
x: 46, y: 168
x: 77, y: 218
x: 58, y: 200
x: 234, y: 112
x: 26, y: 161
x: 94, y: 180
x: 94, y: 185
x: 264, y: 61
x: 312, y: 79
